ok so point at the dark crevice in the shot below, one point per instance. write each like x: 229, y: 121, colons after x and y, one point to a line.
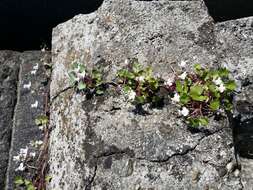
x: 188, y: 150
x: 59, y: 93
x: 223, y: 10
x: 88, y: 186
x: 27, y: 25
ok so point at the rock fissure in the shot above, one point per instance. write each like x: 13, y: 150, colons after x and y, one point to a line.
x: 92, y: 179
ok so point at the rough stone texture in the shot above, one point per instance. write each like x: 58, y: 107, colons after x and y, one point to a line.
x: 101, y: 143
x: 9, y: 69
x: 22, y: 83
x: 236, y: 52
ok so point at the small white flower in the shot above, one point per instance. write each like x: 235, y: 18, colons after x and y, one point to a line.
x: 184, y: 111
x: 21, y: 167
x: 222, y: 88
x: 81, y: 75
x: 16, y: 158
x: 176, y: 98
x: 182, y: 64
x: 41, y: 127
x: 127, y: 61
x: 33, y: 72
x: 169, y: 82
x: 36, y: 67
x: 218, y: 81
x: 23, y: 152
x: 32, y: 154
x: 28, y: 86
x: 38, y: 143
x: 131, y: 95
x: 140, y: 78
x: 182, y: 76
x: 35, y: 105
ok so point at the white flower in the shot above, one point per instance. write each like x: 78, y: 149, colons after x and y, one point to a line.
x: 28, y: 86
x: 140, y: 78
x: 182, y: 76
x: 38, y: 143
x: 218, y: 81
x: 35, y: 105
x: 36, y: 67
x: 169, y: 82
x: 184, y: 111
x: 222, y: 88
x: 21, y: 167
x: 131, y: 95
x: 32, y: 154
x: 33, y: 72
x: 182, y: 64
x: 81, y: 75
x: 23, y: 152
x: 127, y: 61
x: 16, y: 158
x: 176, y: 98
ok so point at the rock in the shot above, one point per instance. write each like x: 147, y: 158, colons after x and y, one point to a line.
x: 9, y: 69
x: 22, y: 84
x: 95, y: 146
x: 236, y: 40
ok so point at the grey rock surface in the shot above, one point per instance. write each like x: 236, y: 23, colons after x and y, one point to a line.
x: 101, y: 143
x: 9, y: 69
x: 236, y: 53
x: 22, y: 99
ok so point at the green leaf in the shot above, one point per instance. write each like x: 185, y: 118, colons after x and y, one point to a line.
x: 19, y: 180
x: 75, y: 65
x: 215, y: 105
x: 27, y: 182
x: 30, y: 187
x: 99, y: 92
x: 184, y: 98
x: 230, y: 85
x: 48, y: 178
x: 223, y: 72
x: 199, y: 97
x: 72, y: 77
x: 126, y: 89
x: 197, y: 67
x: 125, y: 74
x: 41, y: 120
x: 179, y: 86
x: 203, y: 121
x: 81, y: 85
x: 196, y: 122
x: 96, y: 74
x: 140, y: 99
x: 196, y: 93
x: 136, y: 67
x: 196, y: 90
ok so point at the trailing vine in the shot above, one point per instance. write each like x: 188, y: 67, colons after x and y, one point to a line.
x: 200, y: 94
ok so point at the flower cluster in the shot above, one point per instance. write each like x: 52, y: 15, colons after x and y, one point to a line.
x: 203, y: 93
x: 91, y: 82
x: 200, y: 94
x: 139, y: 84
x: 22, y: 157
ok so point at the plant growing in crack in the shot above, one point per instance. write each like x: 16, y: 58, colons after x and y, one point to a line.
x: 203, y: 93
x: 89, y: 82
x: 139, y: 84
x: 200, y: 94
